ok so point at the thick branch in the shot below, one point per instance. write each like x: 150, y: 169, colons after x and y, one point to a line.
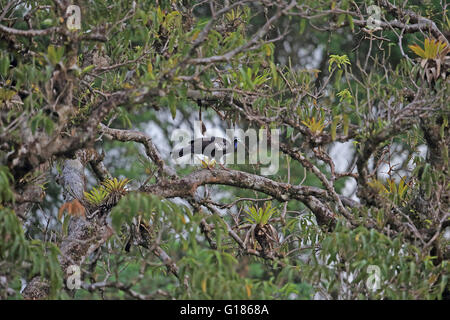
x: 150, y: 149
x: 314, y: 198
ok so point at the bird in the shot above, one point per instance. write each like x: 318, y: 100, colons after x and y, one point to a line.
x: 212, y: 147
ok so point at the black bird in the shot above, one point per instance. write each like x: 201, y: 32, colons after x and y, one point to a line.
x: 212, y: 147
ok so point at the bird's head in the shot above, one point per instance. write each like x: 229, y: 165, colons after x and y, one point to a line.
x: 235, y: 143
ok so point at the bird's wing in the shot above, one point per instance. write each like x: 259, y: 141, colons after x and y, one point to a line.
x: 207, y: 146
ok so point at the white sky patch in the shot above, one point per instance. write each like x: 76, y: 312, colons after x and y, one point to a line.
x: 397, y: 158
x: 287, y: 46
x: 342, y: 156
x: 158, y: 138
x: 311, y: 57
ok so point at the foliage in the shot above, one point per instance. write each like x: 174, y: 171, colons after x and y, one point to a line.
x: 316, y: 126
x: 349, y: 253
x: 355, y: 191
x: 5, y: 179
x: 109, y: 186
x: 38, y: 257
x: 432, y: 49
x: 96, y: 195
x: 340, y: 61
x: 114, y: 185
x: 261, y: 215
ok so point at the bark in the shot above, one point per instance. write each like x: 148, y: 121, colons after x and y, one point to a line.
x: 314, y: 198
x: 84, y: 236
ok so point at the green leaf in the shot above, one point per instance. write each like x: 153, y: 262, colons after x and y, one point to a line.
x: 55, y: 54
x: 87, y: 69
x: 51, y: 53
x: 350, y: 22
x: 341, y: 19
x: 172, y: 104
x: 334, y: 126
x: 289, y: 131
x: 4, y: 65
x: 302, y: 26
x: 346, y: 123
